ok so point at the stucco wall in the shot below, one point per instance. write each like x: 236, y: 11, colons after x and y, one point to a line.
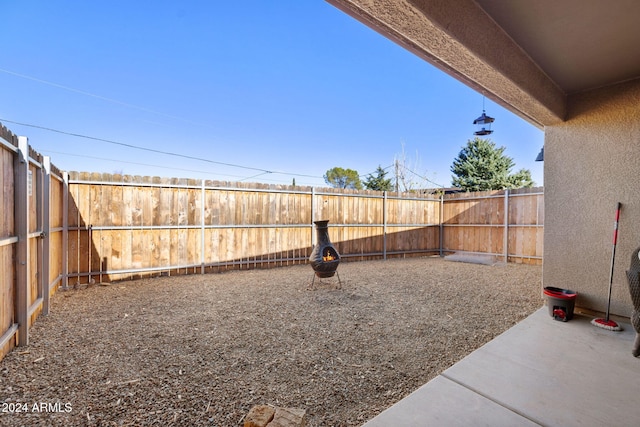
x: 591, y: 162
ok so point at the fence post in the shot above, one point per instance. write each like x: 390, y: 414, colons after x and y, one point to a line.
x: 313, y: 215
x: 441, y: 240
x: 384, y: 225
x: 38, y: 181
x: 202, y: 210
x: 46, y: 231
x: 21, y: 298
x: 65, y: 230
x: 505, y: 242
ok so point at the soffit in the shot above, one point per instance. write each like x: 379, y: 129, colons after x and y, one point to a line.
x: 579, y: 44
x: 526, y: 55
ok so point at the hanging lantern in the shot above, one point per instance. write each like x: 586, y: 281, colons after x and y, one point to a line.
x: 484, y: 124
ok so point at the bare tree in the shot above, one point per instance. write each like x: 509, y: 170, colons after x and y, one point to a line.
x: 408, y: 175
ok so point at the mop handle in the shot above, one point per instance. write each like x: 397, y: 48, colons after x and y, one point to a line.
x: 615, y: 225
x: 613, y: 256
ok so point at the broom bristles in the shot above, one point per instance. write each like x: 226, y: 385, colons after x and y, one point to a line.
x: 609, y: 325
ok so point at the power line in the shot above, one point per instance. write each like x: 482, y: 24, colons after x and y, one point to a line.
x: 253, y: 176
x: 148, y: 110
x: 168, y: 153
x: 207, y: 172
x: 138, y: 163
x: 371, y: 173
x: 423, y: 177
x: 125, y: 104
x: 103, y: 98
x: 152, y: 150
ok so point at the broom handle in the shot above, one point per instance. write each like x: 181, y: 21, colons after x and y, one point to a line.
x: 613, y: 256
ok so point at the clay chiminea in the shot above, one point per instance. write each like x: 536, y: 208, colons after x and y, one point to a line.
x: 324, y: 257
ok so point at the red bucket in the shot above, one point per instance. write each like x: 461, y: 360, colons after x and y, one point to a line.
x: 561, y: 303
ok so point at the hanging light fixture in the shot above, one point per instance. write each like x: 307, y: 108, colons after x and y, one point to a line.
x: 483, y: 123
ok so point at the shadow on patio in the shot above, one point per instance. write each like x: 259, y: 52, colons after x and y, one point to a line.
x: 539, y: 372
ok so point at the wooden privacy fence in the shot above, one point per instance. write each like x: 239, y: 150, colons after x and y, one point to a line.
x: 61, y: 230
x: 507, y: 223
x: 31, y: 228
x: 122, y: 226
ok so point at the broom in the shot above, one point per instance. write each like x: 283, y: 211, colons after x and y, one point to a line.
x: 607, y: 323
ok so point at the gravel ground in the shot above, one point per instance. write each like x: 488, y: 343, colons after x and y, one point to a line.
x: 201, y: 350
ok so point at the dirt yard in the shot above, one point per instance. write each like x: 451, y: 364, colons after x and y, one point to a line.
x: 201, y: 350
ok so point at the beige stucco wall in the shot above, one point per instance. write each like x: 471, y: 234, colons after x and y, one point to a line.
x: 592, y: 161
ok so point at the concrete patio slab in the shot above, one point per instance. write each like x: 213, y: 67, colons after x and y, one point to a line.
x: 541, y: 372
x: 442, y: 402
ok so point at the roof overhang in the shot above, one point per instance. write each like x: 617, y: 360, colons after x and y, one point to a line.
x: 527, y: 55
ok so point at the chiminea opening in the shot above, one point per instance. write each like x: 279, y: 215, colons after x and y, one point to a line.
x: 324, y: 257
x: 329, y: 254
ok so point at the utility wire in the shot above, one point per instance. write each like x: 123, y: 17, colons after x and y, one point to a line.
x: 103, y: 98
x: 208, y: 172
x: 168, y: 153
x: 148, y: 110
x: 366, y: 175
x: 137, y: 107
x: 423, y: 177
x: 253, y: 176
x: 138, y: 163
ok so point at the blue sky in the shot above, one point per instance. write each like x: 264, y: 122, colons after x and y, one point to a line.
x: 261, y: 91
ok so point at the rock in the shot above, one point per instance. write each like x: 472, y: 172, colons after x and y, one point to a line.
x: 288, y: 417
x: 267, y: 416
x: 259, y: 416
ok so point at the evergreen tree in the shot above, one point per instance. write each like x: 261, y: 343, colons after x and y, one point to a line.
x: 481, y: 166
x: 343, y: 178
x: 378, y: 182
